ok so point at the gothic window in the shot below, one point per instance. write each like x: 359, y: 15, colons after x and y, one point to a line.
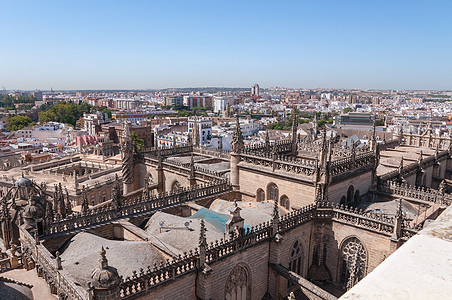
x: 284, y: 202
x: 272, y: 192
x: 353, y: 262
x: 260, y: 195
x: 237, y: 284
x: 296, y: 259
x: 343, y: 200
x: 175, y: 186
x: 350, y: 194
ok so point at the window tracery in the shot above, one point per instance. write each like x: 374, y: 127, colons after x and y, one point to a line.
x: 354, y: 261
x: 237, y: 284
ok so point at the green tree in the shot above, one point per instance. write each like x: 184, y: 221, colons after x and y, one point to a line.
x: 347, y: 110
x: 18, y: 122
x: 139, y: 143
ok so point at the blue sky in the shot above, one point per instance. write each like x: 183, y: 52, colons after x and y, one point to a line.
x: 157, y: 44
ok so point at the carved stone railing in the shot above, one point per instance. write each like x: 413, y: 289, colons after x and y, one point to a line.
x: 281, y: 146
x: 403, y: 190
x: 424, y: 140
x: 59, y: 281
x: 215, y: 153
x: 341, y: 167
x: 302, y: 167
x: 136, y: 205
x: 184, y: 168
x: 167, y: 151
x: 140, y: 283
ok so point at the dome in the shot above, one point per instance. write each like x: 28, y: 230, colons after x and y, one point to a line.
x: 105, y: 277
x: 23, y: 182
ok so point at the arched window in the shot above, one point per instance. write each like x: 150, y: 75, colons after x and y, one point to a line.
x: 350, y: 194
x: 343, y: 200
x: 272, y: 192
x: 175, y: 186
x: 353, y: 262
x: 284, y: 202
x: 356, y: 198
x: 260, y: 195
x: 237, y: 284
x: 296, y: 258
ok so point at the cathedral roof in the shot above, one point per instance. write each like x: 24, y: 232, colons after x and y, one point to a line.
x: 80, y: 256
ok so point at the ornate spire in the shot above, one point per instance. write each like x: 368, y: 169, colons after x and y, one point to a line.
x: 126, y: 131
x: 399, y: 212
x: 68, y: 203
x: 192, y: 166
x: 237, y: 138
x: 373, y: 139
x: 85, y: 206
x: 275, y: 213
x: 442, y: 187
x: 116, y: 194
x: 401, y: 165
x: 202, y: 235
x: 127, y: 155
x: 146, y: 194
x: 267, y: 140
x: 419, y: 160
x: 294, y: 127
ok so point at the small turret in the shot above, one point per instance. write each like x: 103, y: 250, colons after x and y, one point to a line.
x: 105, y: 280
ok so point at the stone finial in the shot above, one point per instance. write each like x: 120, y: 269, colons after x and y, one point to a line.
x: 419, y: 160
x: 103, y: 259
x: 237, y: 138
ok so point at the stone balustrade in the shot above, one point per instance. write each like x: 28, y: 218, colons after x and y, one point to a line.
x: 404, y: 190
x: 133, y: 204
x: 215, y: 153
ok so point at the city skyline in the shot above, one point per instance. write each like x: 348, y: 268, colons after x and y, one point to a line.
x: 142, y: 45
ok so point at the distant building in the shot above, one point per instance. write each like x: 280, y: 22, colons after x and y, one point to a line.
x: 255, y: 90
x: 354, y: 118
x: 93, y: 121
x: 198, y: 101
x: 121, y: 103
x: 219, y: 104
x: 140, y: 115
x: 202, y: 130
x: 174, y: 101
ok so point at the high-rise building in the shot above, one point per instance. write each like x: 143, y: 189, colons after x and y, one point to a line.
x: 255, y: 90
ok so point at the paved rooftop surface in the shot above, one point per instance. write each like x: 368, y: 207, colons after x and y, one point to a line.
x: 40, y: 289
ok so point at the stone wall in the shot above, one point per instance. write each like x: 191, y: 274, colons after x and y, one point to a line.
x: 360, y: 183
x: 378, y: 247
x: 300, y: 194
